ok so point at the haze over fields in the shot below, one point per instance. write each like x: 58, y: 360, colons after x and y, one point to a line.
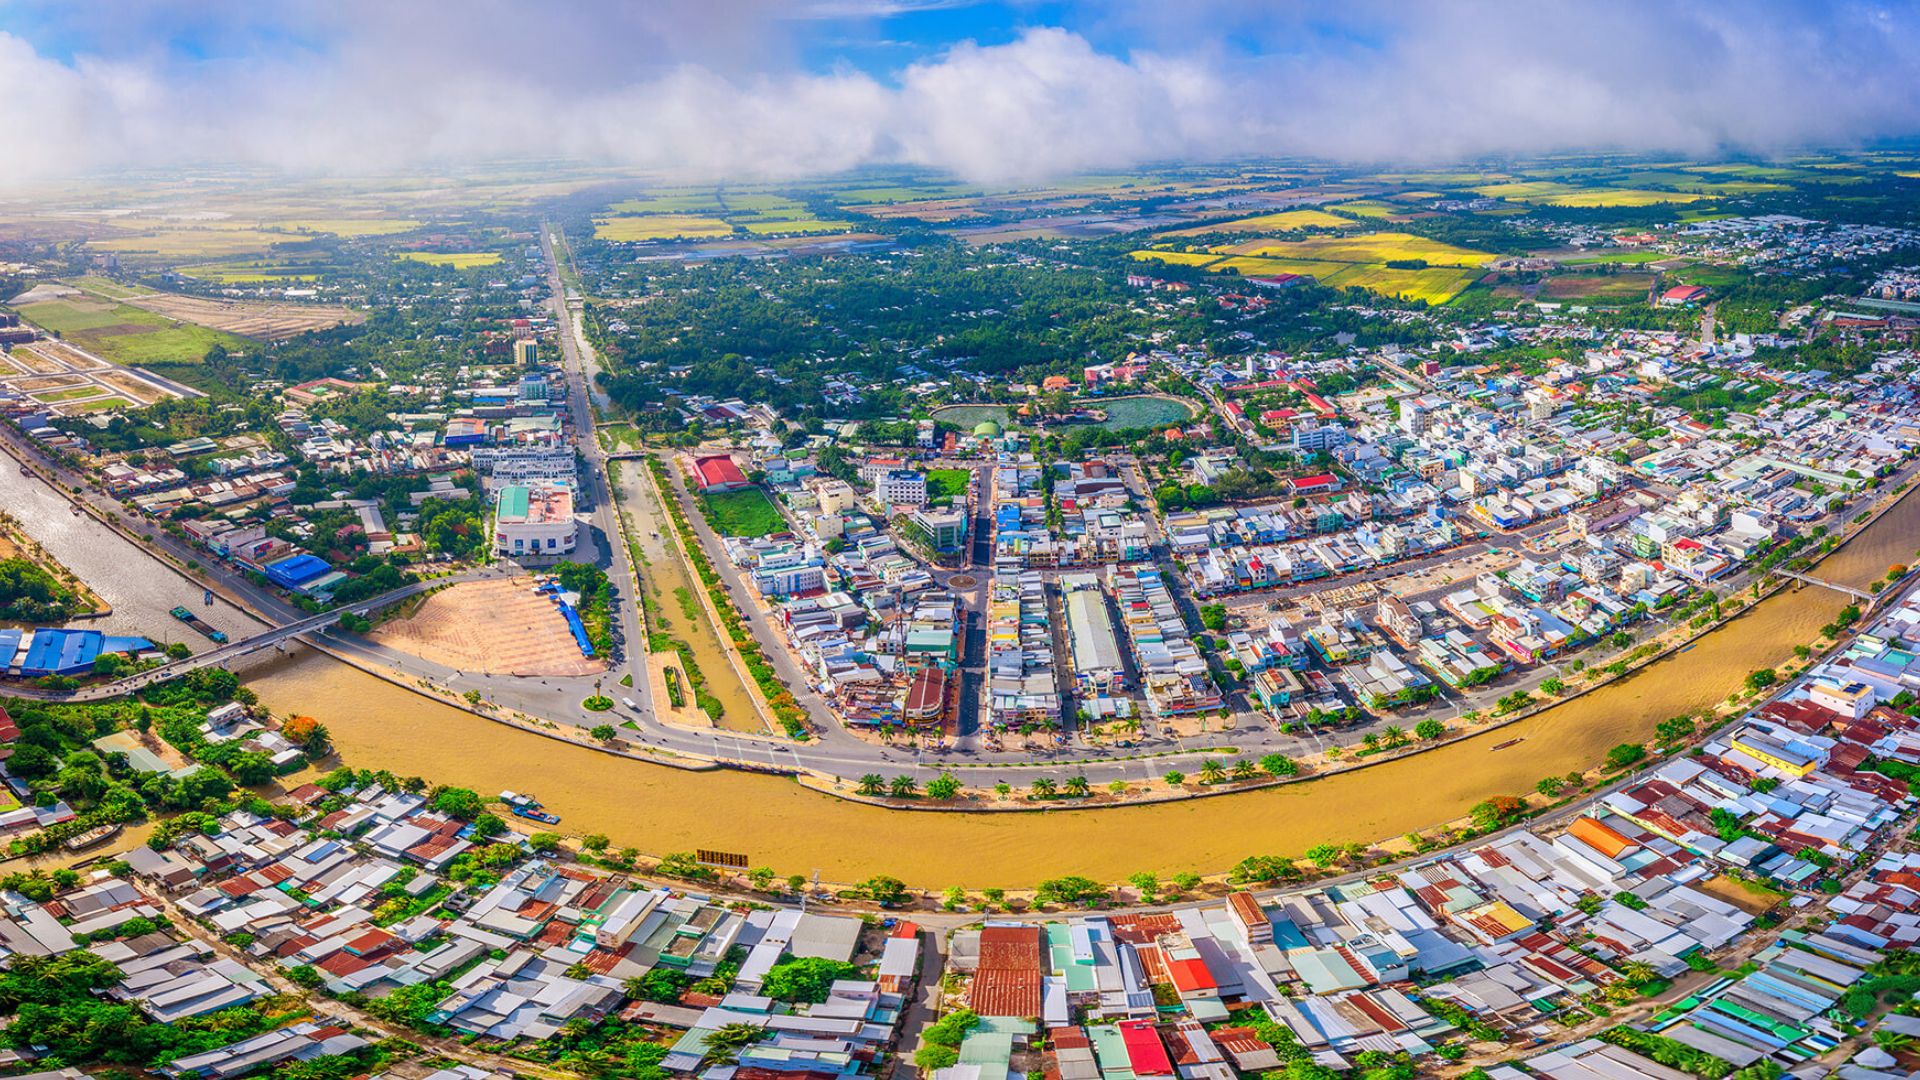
x: 991, y: 91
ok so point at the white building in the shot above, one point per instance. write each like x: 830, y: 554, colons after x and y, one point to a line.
x: 902, y: 487
x: 535, y: 521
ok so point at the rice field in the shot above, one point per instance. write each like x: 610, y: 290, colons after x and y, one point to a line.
x: 455, y: 260
x: 1434, y: 284
x: 349, y: 227
x: 629, y: 229
x: 1283, y: 221
x: 1177, y: 258
x: 1369, y: 208
x: 206, y: 243
x: 778, y: 226
x: 1548, y: 193
x: 1380, y: 247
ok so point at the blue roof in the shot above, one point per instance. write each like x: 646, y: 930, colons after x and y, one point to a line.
x: 296, y: 570
x: 72, y: 652
x: 579, y: 631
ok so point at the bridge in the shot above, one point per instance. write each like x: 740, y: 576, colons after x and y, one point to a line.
x: 233, y: 650
x: 1807, y: 579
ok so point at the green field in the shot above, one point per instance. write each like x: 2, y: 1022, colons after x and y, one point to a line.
x: 1177, y: 258
x: 1547, y: 193
x: 1624, y: 258
x: 65, y: 395
x: 946, y: 483
x: 742, y: 513
x: 127, y: 335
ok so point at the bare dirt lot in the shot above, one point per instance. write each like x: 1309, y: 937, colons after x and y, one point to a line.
x: 260, y: 319
x: 497, y: 627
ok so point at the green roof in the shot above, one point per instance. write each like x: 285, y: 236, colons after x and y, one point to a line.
x: 513, y: 501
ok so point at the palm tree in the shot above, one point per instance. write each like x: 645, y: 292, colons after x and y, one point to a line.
x: 1244, y: 769
x: 725, y: 1043
x: 1395, y: 734
x: 1211, y: 771
x: 1893, y: 1042
x: 1076, y: 785
x: 904, y: 787
x: 1638, y: 972
x: 873, y: 784
x: 1043, y: 788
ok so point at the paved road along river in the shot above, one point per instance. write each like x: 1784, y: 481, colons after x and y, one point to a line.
x: 780, y: 824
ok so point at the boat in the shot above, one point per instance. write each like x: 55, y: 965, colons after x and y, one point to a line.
x: 514, y: 798
x: 99, y: 834
x: 1504, y: 745
x: 536, y: 815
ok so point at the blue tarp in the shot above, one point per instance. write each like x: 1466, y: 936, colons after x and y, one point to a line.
x: 296, y: 570
x: 579, y: 631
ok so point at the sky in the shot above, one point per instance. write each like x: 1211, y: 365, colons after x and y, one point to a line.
x: 1012, y: 91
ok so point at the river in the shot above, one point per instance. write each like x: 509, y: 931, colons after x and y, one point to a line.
x: 778, y: 823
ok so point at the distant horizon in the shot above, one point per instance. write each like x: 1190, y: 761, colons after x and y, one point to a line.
x: 1016, y: 91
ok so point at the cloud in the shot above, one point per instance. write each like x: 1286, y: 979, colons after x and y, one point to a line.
x: 705, y: 89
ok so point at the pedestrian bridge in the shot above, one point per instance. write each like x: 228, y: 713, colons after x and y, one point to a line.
x: 1807, y: 579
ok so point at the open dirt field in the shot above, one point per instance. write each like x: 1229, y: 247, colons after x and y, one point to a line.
x: 259, y: 319
x: 498, y: 627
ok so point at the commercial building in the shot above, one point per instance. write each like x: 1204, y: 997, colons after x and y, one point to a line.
x: 535, y: 521
x: 717, y: 472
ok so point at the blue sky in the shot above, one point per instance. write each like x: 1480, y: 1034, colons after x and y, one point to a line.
x: 990, y: 91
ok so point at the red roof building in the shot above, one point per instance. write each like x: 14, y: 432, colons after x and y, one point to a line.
x: 717, y: 472
x: 1683, y: 294
x: 1146, y: 1054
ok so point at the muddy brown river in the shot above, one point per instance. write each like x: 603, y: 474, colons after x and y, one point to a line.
x: 777, y: 823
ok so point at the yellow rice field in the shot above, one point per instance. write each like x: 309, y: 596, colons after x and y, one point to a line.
x: 1177, y: 258
x: 458, y: 260
x: 1377, y: 247
x: 660, y: 227
x: 1281, y: 221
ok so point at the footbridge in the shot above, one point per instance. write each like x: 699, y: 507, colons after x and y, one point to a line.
x: 1807, y: 579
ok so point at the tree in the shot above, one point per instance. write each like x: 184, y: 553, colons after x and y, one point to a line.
x: 488, y: 825
x: 1072, y: 889
x: 1280, y: 765
x: 872, y: 784
x: 458, y: 803
x: 1429, y: 730
x: 1214, y: 617
x: 1145, y: 884
x: 1211, y: 771
x: 724, y: 1043
x: 1174, y: 777
x: 1076, y: 785
x: 545, y: 843
x: 595, y: 842
x: 1625, y: 755
x: 904, y: 787
x: 1761, y: 679
x: 1116, y: 787
x: 1550, y: 786
x: 943, y: 787
x: 1043, y: 787
x: 1323, y: 855
x: 602, y: 732
x: 1552, y: 685
x: 886, y: 891
x: 805, y: 978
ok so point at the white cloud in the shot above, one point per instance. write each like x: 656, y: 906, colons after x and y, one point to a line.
x: 701, y: 88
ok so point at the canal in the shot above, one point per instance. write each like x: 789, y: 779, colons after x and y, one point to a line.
x: 777, y: 823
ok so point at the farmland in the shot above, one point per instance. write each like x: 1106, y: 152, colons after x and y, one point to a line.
x: 1548, y: 193
x: 456, y: 260
x: 1177, y: 258
x: 1598, y: 288
x: 1284, y: 221
x: 1378, y: 247
x: 660, y: 227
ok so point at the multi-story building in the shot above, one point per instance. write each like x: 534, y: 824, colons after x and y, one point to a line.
x: 535, y: 521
